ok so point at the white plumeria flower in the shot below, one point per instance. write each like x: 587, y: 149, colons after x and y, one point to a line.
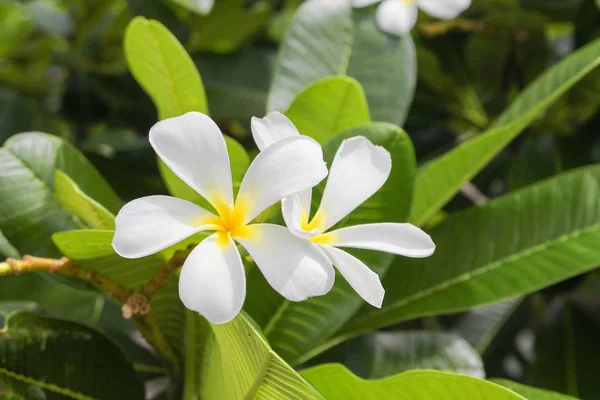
x: 358, y: 171
x: 212, y: 281
x: 398, y: 17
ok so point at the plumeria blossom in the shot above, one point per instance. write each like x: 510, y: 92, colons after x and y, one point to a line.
x: 398, y: 17
x: 358, y: 171
x: 212, y: 280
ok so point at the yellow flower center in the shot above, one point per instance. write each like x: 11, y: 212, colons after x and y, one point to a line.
x: 231, y: 222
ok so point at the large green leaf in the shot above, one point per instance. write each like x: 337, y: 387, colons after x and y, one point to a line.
x: 29, y: 211
x: 92, y: 249
x: 60, y: 299
x: 532, y: 393
x: 336, y: 382
x: 330, y: 38
x: 72, y: 199
x: 511, y: 246
x: 163, y: 68
x: 231, y: 24
x: 296, y: 329
x: 72, y: 300
x: 234, y: 361
x: 167, y: 73
x: 6, y: 248
x: 46, y: 358
x: 382, y: 354
x: 567, y: 351
x: 237, y: 84
x: 439, y: 180
x: 329, y: 106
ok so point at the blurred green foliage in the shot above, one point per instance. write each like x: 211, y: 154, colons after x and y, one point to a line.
x: 493, y: 123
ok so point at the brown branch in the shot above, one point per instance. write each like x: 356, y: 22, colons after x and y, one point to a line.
x: 66, y: 267
x: 439, y: 28
x: 472, y: 193
x: 160, y: 279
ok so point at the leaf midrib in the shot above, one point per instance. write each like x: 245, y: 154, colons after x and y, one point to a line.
x: 484, y: 269
x: 46, y: 386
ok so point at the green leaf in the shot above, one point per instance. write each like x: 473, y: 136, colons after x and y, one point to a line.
x: 234, y: 361
x: 336, y: 382
x: 382, y: 354
x: 72, y: 199
x: 295, y: 330
x: 238, y: 160
x: 531, y: 393
x: 509, y: 247
x: 15, y: 26
x: 44, y: 356
x: 329, y: 106
x: 29, y: 211
x: 237, y: 83
x: 17, y: 114
x: 231, y: 24
x: 6, y: 248
x: 163, y: 68
x: 92, y: 249
x: 169, y: 313
x: 567, y: 351
x: 329, y: 38
x: 60, y: 299
x: 537, y: 158
x: 439, y: 180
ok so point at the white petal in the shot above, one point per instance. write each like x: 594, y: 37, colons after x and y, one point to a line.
x: 271, y: 129
x: 402, y: 239
x: 284, y: 168
x: 363, y: 3
x: 294, y: 267
x: 444, y: 9
x: 358, y: 170
x: 364, y: 281
x: 204, y: 6
x: 150, y: 224
x: 397, y: 17
x: 212, y: 280
x: 194, y: 148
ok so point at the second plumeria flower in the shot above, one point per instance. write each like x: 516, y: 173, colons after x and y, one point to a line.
x: 212, y: 281
x: 398, y: 17
x: 359, y: 169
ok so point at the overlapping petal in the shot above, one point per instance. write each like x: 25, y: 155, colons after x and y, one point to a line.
x: 271, y: 129
x: 364, y: 281
x: 444, y: 9
x: 147, y: 225
x: 397, y: 17
x: 193, y: 147
x: 212, y: 280
x: 284, y: 168
x: 359, y: 169
x: 293, y: 266
x: 402, y: 239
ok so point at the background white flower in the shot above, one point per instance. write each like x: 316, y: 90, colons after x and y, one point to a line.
x: 358, y: 171
x: 398, y: 17
x: 212, y: 281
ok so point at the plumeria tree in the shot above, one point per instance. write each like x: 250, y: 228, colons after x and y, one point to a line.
x: 335, y: 199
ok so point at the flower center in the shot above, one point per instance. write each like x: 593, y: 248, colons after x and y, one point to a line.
x: 231, y: 221
x: 315, y: 223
